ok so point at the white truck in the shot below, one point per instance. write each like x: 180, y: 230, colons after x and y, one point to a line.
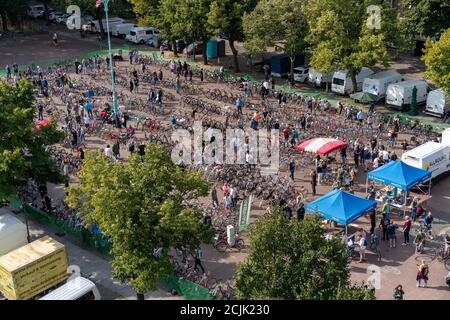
x: 301, y: 74
x: 122, y: 30
x: 144, y: 35
x: 438, y: 103
x: 399, y: 95
x: 377, y: 83
x: 431, y: 156
x: 342, y: 82
x: 13, y: 233
x: 319, y: 79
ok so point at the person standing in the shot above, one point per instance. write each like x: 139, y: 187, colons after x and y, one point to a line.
x: 384, y: 222
x: 398, y: 292
x: 292, y: 169
x: 372, y: 216
x: 406, y: 229
x: 362, y: 248
x: 313, y: 176
x: 391, y: 234
x: 55, y: 39
x: 422, y: 274
x: 386, y: 209
x: 198, y: 262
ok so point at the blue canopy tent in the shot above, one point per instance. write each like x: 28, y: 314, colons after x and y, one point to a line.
x: 341, y: 207
x: 400, y: 175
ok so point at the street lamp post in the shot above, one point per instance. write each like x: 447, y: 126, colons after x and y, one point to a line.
x: 115, y: 104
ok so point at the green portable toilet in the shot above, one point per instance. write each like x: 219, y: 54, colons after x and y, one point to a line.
x: 211, y: 49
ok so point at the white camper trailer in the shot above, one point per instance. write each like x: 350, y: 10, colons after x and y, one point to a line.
x: 13, y: 233
x: 438, y: 103
x: 144, y: 35
x: 377, y: 83
x: 399, y: 95
x: 342, y: 82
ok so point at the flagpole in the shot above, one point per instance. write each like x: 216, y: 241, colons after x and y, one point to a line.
x: 114, y: 97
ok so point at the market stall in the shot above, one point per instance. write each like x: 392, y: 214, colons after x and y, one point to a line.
x: 398, y: 178
x: 322, y: 146
x: 341, y: 207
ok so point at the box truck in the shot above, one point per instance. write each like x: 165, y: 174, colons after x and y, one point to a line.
x: 377, y: 83
x: 399, y: 95
x: 342, y: 82
x: 280, y: 64
x: 13, y: 233
x: 29, y: 270
x: 431, y: 156
x: 438, y: 103
x: 319, y: 79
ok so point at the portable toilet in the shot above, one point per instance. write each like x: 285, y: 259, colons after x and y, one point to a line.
x: 211, y: 49
x: 221, y: 48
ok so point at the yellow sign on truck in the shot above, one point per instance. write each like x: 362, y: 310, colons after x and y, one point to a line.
x: 33, y: 268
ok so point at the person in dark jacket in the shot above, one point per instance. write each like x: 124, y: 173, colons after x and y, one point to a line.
x: 301, y: 212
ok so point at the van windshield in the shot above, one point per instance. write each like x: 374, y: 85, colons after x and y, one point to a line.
x: 133, y: 33
x: 339, y: 82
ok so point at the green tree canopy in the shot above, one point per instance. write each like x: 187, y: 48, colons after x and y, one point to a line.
x: 280, y: 22
x: 291, y: 261
x: 140, y: 206
x: 437, y: 60
x: 428, y: 18
x: 341, y: 38
x: 19, y: 138
x: 12, y: 11
x: 226, y: 16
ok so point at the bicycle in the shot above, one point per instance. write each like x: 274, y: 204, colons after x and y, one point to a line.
x: 222, y: 245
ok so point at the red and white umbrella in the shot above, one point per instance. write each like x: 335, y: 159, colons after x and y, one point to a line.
x: 322, y: 146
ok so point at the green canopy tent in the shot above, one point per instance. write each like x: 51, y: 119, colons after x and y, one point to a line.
x: 364, y: 97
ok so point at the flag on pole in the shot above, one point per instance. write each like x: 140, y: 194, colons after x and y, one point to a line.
x: 98, y: 3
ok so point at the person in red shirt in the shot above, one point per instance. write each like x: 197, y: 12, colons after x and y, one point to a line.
x: 406, y: 229
x: 286, y: 136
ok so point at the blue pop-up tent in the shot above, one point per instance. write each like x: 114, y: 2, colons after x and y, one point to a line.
x: 341, y: 207
x: 399, y: 174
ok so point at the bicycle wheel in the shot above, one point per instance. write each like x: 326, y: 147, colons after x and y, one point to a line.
x: 447, y: 263
x: 221, y: 246
x: 240, y: 245
x: 440, y: 253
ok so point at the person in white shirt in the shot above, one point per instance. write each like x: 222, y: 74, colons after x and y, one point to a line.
x: 385, y: 155
x: 375, y: 163
x: 233, y: 196
x: 87, y: 121
x: 108, y: 152
x: 362, y: 248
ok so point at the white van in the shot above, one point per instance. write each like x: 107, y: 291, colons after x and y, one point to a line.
x: 36, y: 11
x: 122, y: 30
x: 144, y: 35
x: 377, y: 83
x: 94, y: 25
x: 438, y: 103
x: 319, y: 79
x: 399, y: 95
x: 430, y: 156
x: 301, y: 74
x: 342, y: 82
x: 78, y: 288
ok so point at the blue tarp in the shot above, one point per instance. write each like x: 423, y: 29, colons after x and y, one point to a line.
x: 341, y: 207
x: 399, y: 174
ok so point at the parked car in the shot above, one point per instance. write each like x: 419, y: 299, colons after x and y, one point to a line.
x: 53, y: 15
x: 301, y: 74
x: 195, y: 46
x: 63, y: 18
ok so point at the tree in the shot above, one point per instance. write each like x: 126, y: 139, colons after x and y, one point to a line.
x: 277, y: 21
x: 428, y: 18
x: 294, y: 260
x: 437, y: 60
x: 226, y: 16
x: 22, y: 152
x: 140, y: 206
x: 340, y: 35
x: 12, y: 11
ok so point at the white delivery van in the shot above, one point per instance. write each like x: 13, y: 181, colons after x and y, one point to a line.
x: 377, y: 83
x: 77, y: 288
x: 431, y: 156
x: 36, y: 11
x: 301, y: 74
x: 438, y: 103
x: 143, y: 35
x: 446, y: 137
x: 319, y: 79
x: 399, y: 95
x: 122, y: 30
x: 342, y: 82
x: 13, y: 233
